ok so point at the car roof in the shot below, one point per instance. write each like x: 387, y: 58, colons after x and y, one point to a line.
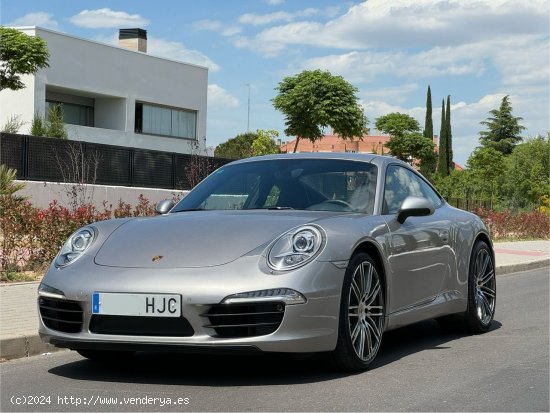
x: 378, y: 160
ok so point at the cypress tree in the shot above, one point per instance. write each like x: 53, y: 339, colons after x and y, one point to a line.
x: 428, y: 124
x: 428, y: 164
x: 450, y: 163
x: 442, y: 165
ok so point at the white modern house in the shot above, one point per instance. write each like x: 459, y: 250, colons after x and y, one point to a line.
x: 115, y: 95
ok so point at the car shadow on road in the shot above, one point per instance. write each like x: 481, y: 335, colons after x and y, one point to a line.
x: 426, y: 335
x: 254, y: 370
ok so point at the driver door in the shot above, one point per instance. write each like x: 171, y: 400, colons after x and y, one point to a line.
x: 420, y: 254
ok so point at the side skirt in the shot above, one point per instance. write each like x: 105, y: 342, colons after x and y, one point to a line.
x: 450, y: 302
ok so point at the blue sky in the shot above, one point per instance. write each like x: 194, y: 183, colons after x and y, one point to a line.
x: 477, y: 51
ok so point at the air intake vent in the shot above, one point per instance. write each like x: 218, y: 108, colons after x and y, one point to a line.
x: 245, y: 320
x: 61, y: 315
x: 141, y: 326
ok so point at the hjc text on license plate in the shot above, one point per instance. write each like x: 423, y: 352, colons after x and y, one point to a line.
x: 154, y: 305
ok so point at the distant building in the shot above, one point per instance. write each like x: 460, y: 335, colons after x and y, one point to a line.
x: 115, y: 95
x: 334, y: 143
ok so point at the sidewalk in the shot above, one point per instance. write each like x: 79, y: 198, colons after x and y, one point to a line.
x: 19, y: 313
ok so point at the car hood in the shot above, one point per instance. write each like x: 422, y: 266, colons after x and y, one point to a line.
x: 196, y: 238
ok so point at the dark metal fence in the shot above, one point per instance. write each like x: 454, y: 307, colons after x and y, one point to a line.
x: 60, y: 160
x: 470, y: 204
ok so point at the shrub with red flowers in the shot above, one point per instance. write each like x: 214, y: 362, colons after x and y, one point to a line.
x: 57, y: 223
x: 18, y: 221
x: 31, y: 237
x: 521, y: 225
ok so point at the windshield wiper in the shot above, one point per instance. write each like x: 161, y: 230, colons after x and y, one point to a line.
x: 273, y: 208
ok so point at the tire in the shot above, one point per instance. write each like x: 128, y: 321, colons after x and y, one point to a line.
x: 105, y: 355
x: 481, y: 290
x: 362, y: 313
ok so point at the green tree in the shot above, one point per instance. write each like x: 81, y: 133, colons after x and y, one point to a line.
x: 20, y: 55
x: 442, y: 165
x: 429, y: 163
x: 265, y: 143
x: 411, y: 147
x: 527, y: 171
x: 455, y: 185
x: 406, y: 142
x: 397, y: 124
x: 313, y: 100
x: 238, y: 147
x: 503, y: 130
x: 52, y: 126
x: 486, y: 167
x: 55, y: 125
x: 428, y: 123
x: 449, y: 140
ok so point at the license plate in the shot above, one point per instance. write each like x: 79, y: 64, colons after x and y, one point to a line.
x: 153, y: 305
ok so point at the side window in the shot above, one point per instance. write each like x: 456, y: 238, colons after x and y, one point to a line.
x: 401, y: 183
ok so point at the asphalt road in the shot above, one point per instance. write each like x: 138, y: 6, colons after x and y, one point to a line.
x: 419, y: 368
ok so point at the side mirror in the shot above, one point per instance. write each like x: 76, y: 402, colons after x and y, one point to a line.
x: 414, y: 206
x: 163, y: 207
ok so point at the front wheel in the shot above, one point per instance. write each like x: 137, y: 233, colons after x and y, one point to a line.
x: 481, y: 289
x: 362, y: 310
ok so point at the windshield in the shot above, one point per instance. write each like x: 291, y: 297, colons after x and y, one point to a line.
x: 306, y: 184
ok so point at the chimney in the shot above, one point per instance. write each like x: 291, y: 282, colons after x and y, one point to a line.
x: 133, y: 39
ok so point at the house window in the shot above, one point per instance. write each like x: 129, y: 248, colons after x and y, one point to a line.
x: 74, y: 114
x: 165, y: 121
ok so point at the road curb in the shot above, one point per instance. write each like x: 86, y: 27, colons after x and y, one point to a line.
x: 30, y: 344
x: 508, y: 269
x: 24, y: 345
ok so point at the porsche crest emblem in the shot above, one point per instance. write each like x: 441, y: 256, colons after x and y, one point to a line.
x: 157, y: 258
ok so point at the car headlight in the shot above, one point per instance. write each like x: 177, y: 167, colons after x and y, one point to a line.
x: 295, y: 248
x: 75, y: 246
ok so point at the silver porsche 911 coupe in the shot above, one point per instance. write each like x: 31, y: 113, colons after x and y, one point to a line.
x: 297, y: 253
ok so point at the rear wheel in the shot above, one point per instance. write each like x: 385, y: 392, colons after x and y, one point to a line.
x: 481, y: 289
x: 361, y: 322
x: 105, y: 355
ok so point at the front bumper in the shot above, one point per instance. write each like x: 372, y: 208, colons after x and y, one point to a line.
x: 308, y: 327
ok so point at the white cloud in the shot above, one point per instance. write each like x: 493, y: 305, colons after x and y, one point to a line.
x: 376, y: 108
x: 169, y: 50
x: 411, y: 23
x: 271, y: 42
x: 177, y: 51
x: 40, y: 19
x: 231, y: 31
x: 392, y: 94
x: 219, y: 97
x: 365, y: 67
x: 264, y: 19
x: 275, y: 2
x: 107, y: 18
x: 520, y: 61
